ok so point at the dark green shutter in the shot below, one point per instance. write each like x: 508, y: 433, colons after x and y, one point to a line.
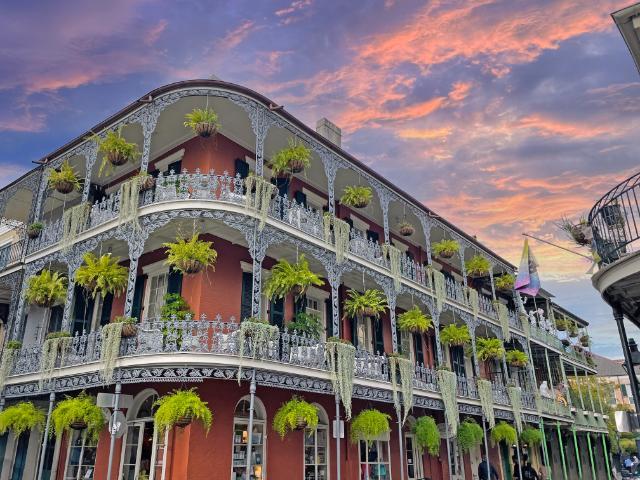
x: 398, y: 339
x: 329, y: 316
x: 55, y: 319
x: 174, y: 282
x: 138, y: 292
x: 283, y: 186
x: 105, y: 315
x: 245, y: 298
x: 417, y: 348
x: 373, y: 236
x: 300, y: 305
x: 276, y: 313
x: 300, y: 197
x: 242, y: 168
x: 82, y: 311
x: 354, y: 335
x: 349, y: 221
x: 379, y: 341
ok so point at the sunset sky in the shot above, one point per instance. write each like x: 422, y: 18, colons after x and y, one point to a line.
x: 500, y: 115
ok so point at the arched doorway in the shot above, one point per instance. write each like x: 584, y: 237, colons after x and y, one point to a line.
x: 241, y: 437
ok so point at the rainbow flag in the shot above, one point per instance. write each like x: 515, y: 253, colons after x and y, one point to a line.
x: 527, y: 280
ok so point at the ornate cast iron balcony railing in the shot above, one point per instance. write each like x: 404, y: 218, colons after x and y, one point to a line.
x: 10, y: 254
x: 615, y: 220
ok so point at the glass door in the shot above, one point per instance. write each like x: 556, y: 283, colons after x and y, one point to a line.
x: 132, y: 452
x: 414, y: 458
x: 315, y: 454
x: 139, y: 454
x: 240, y: 440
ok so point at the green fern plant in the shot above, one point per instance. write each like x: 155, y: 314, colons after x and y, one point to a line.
x: 203, y: 121
x: 368, y: 425
x: 489, y: 348
x: 469, y: 434
x: 561, y: 324
x: 516, y: 358
x: 455, y: 335
x: 286, y: 277
x: 102, y: 275
x: 445, y: 248
x: 414, y: 321
x: 117, y: 151
x: 505, y: 282
x: 427, y: 435
x: 64, y: 179
x: 14, y: 345
x: 190, y: 256
x: 175, y: 307
x: 504, y: 432
x: 179, y: 408
x: 21, y: 417
x: 477, y: 266
x: 371, y: 303
x: 307, y: 324
x: 78, y: 413
x: 46, y: 289
x: 531, y: 436
x: 292, y: 159
x: 295, y: 414
x: 356, y: 196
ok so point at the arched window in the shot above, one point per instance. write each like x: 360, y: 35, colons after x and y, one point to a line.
x: 413, y: 455
x: 316, y: 449
x: 241, y: 437
x: 143, y: 451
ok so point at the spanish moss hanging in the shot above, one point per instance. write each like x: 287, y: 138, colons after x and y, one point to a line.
x: 515, y: 396
x: 526, y: 326
x: 73, y: 222
x: 110, y: 349
x: 485, y: 392
x: 394, y: 263
x: 260, y: 334
x: 448, y: 383
x: 406, y: 369
x: 341, y: 233
x: 6, y: 364
x: 341, y: 362
x: 129, y: 202
x: 473, y: 300
x: 503, y: 319
x: 438, y: 285
x: 326, y: 223
x: 50, y: 350
x: 261, y: 199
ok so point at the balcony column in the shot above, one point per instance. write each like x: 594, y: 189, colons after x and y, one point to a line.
x: 593, y: 463
x: 73, y: 263
x: 148, y: 121
x: 606, y: 455
x: 331, y: 165
x: 334, y: 275
x: 392, y: 295
x: 593, y: 406
x: 426, y: 230
x: 90, y: 152
x: 577, y: 451
x: 385, y: 198
x: 39, y: 200
x: 461, y: 254
x: 17, y: 324
x: 564, y: 461
x: 252, y: 396
x: 45, y: 437
x: 136, y: 239
x: 436, y: 330
x: 493, y: 286
x: 546, y: 357
x: 260, y: 123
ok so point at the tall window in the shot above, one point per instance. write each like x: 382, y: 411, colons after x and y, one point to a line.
x: 316, y: 449
x: 157, y: 288
x: 241, y: 437
x: 374, y: 460
x: 315, y: 305
x: 364, y: 333
x: 81, y: 457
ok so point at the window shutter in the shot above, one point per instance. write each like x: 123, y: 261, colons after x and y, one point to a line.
x: 96, y: 193
x: 373, y: 236
x: 175, y: 167
x: 329, y: 317
x: 434, y: 349
x: 276, y: 313
x: 379, y: 341
x: 300, y: 305
x: 349, y: 221
x: 354, y: 332
x: 174, y: 282
x: 417, y: 348
x: 245, y: 299
x: 138, y: 292
x: 399, y: 339
x: 283, y: 186
x: 242, y: 168
x: 410, y: 255
x: 105, y: 314
x: 55, y: 319
x: 301, y: 198
x: 82, y: 311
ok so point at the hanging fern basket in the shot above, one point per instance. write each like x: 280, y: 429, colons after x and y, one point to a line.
x: 63, y: 186
x: 184, y: 421
x: 205, y: 129
x: 406, y: 229
x: 116, y: 158
x: 190, y: 266
x: 78, y: 425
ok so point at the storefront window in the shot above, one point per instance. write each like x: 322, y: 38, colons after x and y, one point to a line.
x: 81, y: 458
x: 316, y: 449
x: 240, y: 441
x: 374, y: 460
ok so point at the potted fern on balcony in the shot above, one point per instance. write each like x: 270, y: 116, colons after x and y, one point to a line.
x: 78, y: 413
x: 406, y: 229
x: 445, y: 248
x: 456, y: 335
x: 371, y: 303
x: 116, y: 150
x: 295, y: 414
x: 517, y: 358
x: 291, y: 277
x: 64, y: 179
x: 579, y: 232
x: 306, y: 324
x: 21, y: 417
x: 179, y: 408
x: 368, y: 425
x: 46, y: 289
x: 469, y: 434
x: 34, y: 230
x: 427, y: 435
x: 504, y: 283
x: 503, y: 432
x: 414, y: 321
x: 489, y: 348
x: 292, y: 159
x: 190, y: 256
x: 102, y: 275
x: 203, y: 121
x: 356, y: 196
x: 477, y: 266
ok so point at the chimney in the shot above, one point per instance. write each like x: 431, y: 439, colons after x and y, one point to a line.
x: 330, y: 131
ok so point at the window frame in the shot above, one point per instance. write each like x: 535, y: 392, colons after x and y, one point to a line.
x: 153, y: 271
x: 80, y: 464
x: 382, y: 440
x: 259, y: 419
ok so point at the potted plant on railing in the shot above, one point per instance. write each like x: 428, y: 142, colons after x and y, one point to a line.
x: 78, y: 413
x: 102, y: 275
x: 489, y: 348
x: 21, y: 417
x: 262, y: 336
x: 414, y: 321
x: 179, y: 408
x: 517, y: 358
x: 292, y: 159
x: 445, y: 248
x: 504, y: 283
x: 368, y: 425
x: 112, y: 334
x: 356, y: 196
x: 503, y: 432
x: 371, y: 303
x: 572, y: 329
x: 295, y: 414
x: 203, y: 121
x: 477, y: 266
x: 580, y: 232
x: 530, y: 436
x: 64, y: 179
x: 290, y: 277
x: 34, y: 230
x: 175, y: 307
x: 585, y: 341
x: 469, y: 434
x: 427, y: 435
x: 116, y: 150
x: 46, y: 289
x: 406, y: 229
x: 190, y: 256
x: 146, y: 181
x: 456, y: 335
x: 561, y: 324
x: 305, y: 324
x: 129, y: 325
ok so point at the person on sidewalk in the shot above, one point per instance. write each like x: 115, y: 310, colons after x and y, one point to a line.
x: 482, y: 470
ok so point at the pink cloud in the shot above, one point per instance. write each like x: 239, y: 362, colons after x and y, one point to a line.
x: 154, y: 33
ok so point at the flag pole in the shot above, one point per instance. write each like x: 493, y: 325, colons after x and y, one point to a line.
x: 558, y: 246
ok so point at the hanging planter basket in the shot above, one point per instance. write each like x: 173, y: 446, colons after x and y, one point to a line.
x: 205, y: 129
x: 190, y: 266
x: 447, y: 255
x: 361, y: 204
x: 406, y: 229
x: 116, y: 158
x: 184, y: 421
x: 33, y: 232
x: 368, y: 312
x: 297, y: 165
x: 301, y: 423
x: 78, y: 425
x: 129, y: 330
x: 64, y: 187
x: 297, y: 290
